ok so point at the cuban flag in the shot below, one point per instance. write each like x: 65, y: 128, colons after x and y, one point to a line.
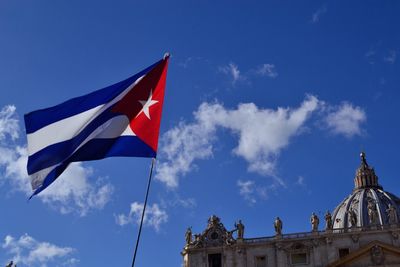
x: 120, y: 120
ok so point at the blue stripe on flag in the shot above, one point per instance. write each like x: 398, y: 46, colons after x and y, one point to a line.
x: 38, y: 119
x: 124, y: 146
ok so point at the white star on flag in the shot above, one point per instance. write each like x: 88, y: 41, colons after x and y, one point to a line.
x: 146, y: 105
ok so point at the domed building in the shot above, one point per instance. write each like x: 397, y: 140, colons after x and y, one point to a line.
x: 363, y: 230
x: 368, y: 205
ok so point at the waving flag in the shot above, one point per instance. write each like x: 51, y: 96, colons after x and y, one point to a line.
x: 120, y: 120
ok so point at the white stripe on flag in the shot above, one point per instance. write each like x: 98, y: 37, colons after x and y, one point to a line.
x: 59, y: 131
x: 68, y: 128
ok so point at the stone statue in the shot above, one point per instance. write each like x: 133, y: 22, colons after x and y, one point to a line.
x: 188, y: 236
x: 372, y: 213
x: 314, y: 222
x: 278, y: 226
x: 392, y: 214
x: 328, y: 221
x: 352, y: 217
x: 240, y: 228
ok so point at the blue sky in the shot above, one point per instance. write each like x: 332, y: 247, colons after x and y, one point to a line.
x: 267, y: 107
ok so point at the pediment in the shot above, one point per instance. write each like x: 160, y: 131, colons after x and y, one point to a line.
x: 375, y: 253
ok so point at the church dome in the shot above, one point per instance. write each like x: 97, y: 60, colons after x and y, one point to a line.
x: 368, y: 205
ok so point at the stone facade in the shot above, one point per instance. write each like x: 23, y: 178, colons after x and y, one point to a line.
x: 363, y: 230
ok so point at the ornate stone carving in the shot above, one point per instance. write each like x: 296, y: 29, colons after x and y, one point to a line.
x: 278, y: 226
x: 377, y: 255
x: 214, y: 235
x: 298, y: 246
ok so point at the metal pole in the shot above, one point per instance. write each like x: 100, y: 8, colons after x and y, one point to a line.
x: 144, y: 210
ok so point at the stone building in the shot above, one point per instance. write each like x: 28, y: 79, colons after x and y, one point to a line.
x: 363, y: 230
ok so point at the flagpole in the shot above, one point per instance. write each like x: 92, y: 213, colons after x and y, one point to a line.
x: 144, y: 210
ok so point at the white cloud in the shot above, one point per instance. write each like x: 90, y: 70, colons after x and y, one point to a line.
x: 268, y: 70
x: 8, y: 123
x: 73, y: 187
x: 233, y: 71
x: 181, y: 146
x: 261, y: 133
x: 391, y: 57
x: 317, y: 14
x: 154, y: 216
x: 30, y: 252
x: 71, y: 192
x: 345, y: 119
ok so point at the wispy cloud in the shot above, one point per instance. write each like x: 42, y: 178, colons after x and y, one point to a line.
x: 267, y: 70
x: 236, y: 75
x: 370, y: 56
x: 154, y: 216
x: 300, y: 180
x: 251, y: 192
x: 187, y: 62
x: 232, y: 70
x: 261, y: 135
x: 316, y: 16
x: 30, y: 252
x: 176, y: 200
x: 345, y: 119
x: 390, y: 57
x: 378, y: 53
x: 71, y: 192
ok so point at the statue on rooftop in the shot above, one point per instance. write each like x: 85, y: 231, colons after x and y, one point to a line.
x: 278, y: 226
x: 188, y: 236
x: 328, y: 221
x: 240, y: 228
x: 314, y: 222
